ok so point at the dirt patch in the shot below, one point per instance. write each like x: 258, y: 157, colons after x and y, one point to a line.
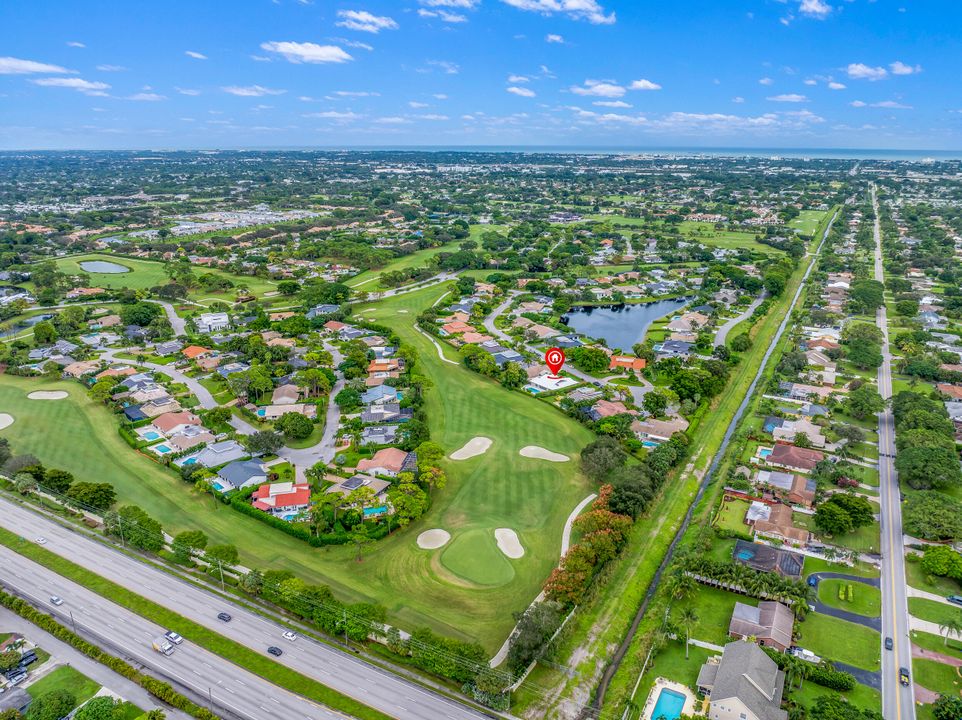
x: 540, y: 453
x: 508, y: 543
x: 433, y: 539
x: 6, y: 420
x: 47, y: 395
x: 472, y: 448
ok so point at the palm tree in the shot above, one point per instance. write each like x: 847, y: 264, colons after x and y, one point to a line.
x: 683, y: 586
x: 688, y: 618
x: 950, y: 626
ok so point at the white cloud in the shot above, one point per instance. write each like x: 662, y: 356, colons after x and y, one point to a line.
x: 858, y: 103
x: 251, y: 90
x: 900, y: 68
x: 552, y: 38
x: 611, y: 103
x: 433, y: 117
x: 833, y: 85
x: 16, y: 66
x: 815, y: 8
x: 417, y: 105
x: 810, y: 81
x: 147, y: 97
x: 448, y: 67
x: 307, y: 52
x: 521, y: 91
x: 354, y: 44
x: 738, y: 99
x: 75, y: 44
x: 518, y: 79
x: 195, y: 55
x: 334, y: 115
x: 363, y: 21
x: 87, y: 87
x: 788, y: 97
x: 589, y: 10
x: 393, y: 120
x: 260, y: 58
x: 111, y: 68
x: 187, y: 91
x: 765, y: 81
x: 861, y: 71
x: 355, y: 93
x: 440, y: 96
x: 443, y: 15
x: 463, y: 4
x: 886, y: 104
x: 644, y: 85
x: 599, y: 88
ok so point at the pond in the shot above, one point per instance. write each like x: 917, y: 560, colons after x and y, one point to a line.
x: 22, y: 325
x: 103, y: 266
x: 620, y: 326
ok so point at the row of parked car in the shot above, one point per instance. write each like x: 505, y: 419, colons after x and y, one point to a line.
x: 18, y: 673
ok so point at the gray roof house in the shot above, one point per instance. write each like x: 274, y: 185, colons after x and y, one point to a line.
x: 219, y: 453
x: 241, y: 473
x: 771, y: 623
x: 743, y: 684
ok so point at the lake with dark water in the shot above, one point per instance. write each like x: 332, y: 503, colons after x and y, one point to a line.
x: 621, y: 326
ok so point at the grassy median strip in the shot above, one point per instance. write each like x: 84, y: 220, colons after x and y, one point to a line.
x: 198, y: 634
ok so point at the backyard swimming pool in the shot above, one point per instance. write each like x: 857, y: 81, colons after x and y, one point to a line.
x: 162, y: 449
x: 764, y: 453
x: 668, y: 706
x: 151, y: 435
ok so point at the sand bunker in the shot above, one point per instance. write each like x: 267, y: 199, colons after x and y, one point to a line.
x: 533, y: 451
x: 47, y: 395
x: 508, y: 543
x: 473, y: 447
x: 402, y: 312
x: 433, y: 539
x: 6, y: 420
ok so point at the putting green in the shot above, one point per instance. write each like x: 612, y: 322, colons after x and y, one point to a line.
x: 474, y: 556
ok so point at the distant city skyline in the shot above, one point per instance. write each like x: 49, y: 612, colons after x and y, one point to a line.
x: 764, y: 74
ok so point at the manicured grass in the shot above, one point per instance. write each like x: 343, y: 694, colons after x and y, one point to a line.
x: 933, y: 611
x: 239, y: 654
x: 731, y: 516
x: 714, y: 609
x: 671, y: 663
x: 860, y: 696
x: 918, y: 578
x: 807, y: 221
x: 866, y: 600
x: 814, y: 565
x: 933, y: 675
x: 938, y: 644
x: 474, y: 556
x: 149, y: 273
x: 65, y: 678
x: 840, y: 640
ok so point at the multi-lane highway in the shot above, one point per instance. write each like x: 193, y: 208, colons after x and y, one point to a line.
x: 898, y: 702
x: 223, y: 685
x: 339, y: 670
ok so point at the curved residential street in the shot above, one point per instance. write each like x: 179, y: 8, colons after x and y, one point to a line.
x: 721, y: 335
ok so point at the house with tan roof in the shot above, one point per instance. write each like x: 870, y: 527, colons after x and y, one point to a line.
x: 116, y: 372
x: 80, y: 368
x: 192, y: 352
x: 794, y: 458
x: 388, y: 462
x: 627, y: 362
x: 771, y: 624
x: 174, y: 422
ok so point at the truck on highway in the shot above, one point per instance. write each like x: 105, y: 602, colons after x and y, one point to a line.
x: 162, y: 645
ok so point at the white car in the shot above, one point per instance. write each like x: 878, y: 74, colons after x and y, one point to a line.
x: 173, y: 637
x: 56, y: 600
x: 288, y: 635
x: 41, y: 540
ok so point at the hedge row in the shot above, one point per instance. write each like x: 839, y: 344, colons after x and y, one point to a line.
x: 158, y: 688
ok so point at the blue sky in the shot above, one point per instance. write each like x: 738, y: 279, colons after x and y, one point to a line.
x: 290, y: 73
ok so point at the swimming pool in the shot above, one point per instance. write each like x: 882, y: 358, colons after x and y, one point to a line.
x: 151, y: 435
x: 668, y: 706
x: 745, y: 555
x: 649, y: 444
x: 162, y: 449
x: 261, y: 412
x: 764, y: 452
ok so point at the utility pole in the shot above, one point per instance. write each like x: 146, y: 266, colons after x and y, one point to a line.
x: 73, y: 622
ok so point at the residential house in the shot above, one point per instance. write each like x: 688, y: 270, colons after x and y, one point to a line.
x: 80, y: 368
x: 240, y: 474
x: 285, y: 395
x: 386, y: 412
x: 776, y: 521
x: 168, y: 348
x: 346, y: 487
x: 795, y: 489
x: 273, y: 412
x: 220, y: 453
x: 605, y: 408
x: 192, y: 352
x: 771, y: 624
x: 794, y: 458
x: 189, y: 437
x: 658, y: 431
x: 626, y: 362
x: 388, y: 462
x: 379, y: 434
x: 380, y: 395
x: 161, y: 405
x: 766, y: 558
x: 789, y: 429
x: 286, y: 500
x: 212, y: 322
x: 672, y: 349
x: 175, y: 422
x: 743, y: 684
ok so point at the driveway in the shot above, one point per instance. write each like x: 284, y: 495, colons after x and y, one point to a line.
x: 875, y: 623
x: 722, y: 333
x: 863, y: 677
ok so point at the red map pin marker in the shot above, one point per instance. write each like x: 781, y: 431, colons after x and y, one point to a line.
x: 554, y: 358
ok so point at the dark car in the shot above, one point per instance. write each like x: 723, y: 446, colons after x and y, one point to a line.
x: 904, y: 676
x: 956, y: 599
x: 888, y: 643
x: 812, y: 581
x: 223, y: 616
x: 275, y: 651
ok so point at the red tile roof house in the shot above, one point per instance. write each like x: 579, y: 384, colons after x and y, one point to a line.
x: 953, y: 391
x: 388, y: 462
x: 794, y: 458
x: 626, y: 362
x: 285, y: 498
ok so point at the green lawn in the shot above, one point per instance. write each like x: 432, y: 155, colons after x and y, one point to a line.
x: 814, y: 565
x: 499, y: 489
x: 714, y: 609
x: 931, y: 583
x: 65, y: 678
x: 928, y: 641
x: 807, y: 221
x: 933, y: 611
x: 866, y: 600
x: 860, y: 695
x: 840, y: 640
x: 933, y: 675
x: 148, y: 273
x: 731, y: 516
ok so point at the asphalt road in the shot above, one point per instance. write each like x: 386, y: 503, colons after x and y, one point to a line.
x: 898, y: 701
x: 339, y: 670
x: 237, y: 691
